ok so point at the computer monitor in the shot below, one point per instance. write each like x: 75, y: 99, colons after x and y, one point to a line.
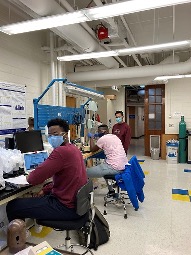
x: 29, y: 141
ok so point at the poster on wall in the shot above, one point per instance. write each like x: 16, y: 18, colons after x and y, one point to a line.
x: 12, y: 108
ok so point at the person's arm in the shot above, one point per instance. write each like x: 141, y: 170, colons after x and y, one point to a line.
x: 127, y: 138
x: 54, y: 163
x: 93, y: 146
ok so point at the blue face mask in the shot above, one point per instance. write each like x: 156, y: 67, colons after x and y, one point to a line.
x: 101, y: 134
x: 119, y: 119
x: 55, y: 141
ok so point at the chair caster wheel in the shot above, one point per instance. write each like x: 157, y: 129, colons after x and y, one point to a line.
x: 125, y: 216
x: 105, y: 213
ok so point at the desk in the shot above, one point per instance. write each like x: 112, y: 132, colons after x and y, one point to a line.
x: 6, y: 196
x: 97, y: 154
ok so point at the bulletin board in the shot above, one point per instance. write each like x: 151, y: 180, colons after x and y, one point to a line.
x: 12, y: 108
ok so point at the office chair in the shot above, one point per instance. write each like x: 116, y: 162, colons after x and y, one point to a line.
x: 130, y: 183
x: 118, y: 197
x: 84, y: 208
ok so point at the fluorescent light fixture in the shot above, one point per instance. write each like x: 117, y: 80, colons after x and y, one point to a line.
x: 82, y: 91
x: 155, y: 47
x: 45, y: 22
x: 128, y: 7
x: 103, y: 54
x: 128, y: 51
x: 110, y: 10
x: 179, y: 76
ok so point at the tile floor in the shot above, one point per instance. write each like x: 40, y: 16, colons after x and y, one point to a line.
x: 161, y: 225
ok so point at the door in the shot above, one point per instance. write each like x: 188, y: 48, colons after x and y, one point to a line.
x: 132, y: 120
x: 154, y: 113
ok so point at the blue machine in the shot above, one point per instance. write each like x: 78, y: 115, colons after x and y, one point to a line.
x: 43, y: 113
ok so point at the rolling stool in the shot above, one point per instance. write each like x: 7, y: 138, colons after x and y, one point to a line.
x: 120, y: 196
x: 85, y: 208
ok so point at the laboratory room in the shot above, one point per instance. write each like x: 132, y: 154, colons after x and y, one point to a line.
x: 95, y: 127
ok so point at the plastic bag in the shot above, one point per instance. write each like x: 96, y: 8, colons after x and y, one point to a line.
x: 10, y: 160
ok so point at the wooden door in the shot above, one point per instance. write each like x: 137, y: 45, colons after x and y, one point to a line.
x: 132, y: 120
x: 154, y: 113
x: 71, y: 102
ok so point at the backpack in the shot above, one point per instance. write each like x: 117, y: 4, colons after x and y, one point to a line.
x: 100, y: 231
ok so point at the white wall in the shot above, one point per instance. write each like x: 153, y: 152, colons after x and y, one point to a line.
x: 177, y: 103
x: 108, y: 107
x: 23, y: 62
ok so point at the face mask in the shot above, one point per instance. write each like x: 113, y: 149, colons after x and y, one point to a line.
x: 119, y: 119
x: 55, y: 141
x: 100, y: 134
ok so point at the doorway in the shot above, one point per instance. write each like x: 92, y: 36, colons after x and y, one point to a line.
x: 154, y: 113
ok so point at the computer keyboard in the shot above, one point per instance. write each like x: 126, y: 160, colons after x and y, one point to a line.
x: 19, y: 172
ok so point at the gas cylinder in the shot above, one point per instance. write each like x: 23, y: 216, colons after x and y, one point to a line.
x: 16, y: 236
x: 182, y: 128
x: 182, y: 141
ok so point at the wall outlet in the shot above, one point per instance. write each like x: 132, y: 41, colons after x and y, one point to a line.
x: 171, y: 125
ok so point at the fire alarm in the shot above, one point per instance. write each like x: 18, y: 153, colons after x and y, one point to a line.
x: 102, y: 32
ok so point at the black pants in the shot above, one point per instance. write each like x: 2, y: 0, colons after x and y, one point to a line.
x: 41, y: 208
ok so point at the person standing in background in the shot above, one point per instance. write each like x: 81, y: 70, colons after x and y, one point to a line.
x: 30, y: 124
x: 122, y: 130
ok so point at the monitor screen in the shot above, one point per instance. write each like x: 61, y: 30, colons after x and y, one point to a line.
x: 28, y: 141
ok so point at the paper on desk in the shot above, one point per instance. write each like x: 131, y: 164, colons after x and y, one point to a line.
x: 18, y: 180
x: 24, y: 252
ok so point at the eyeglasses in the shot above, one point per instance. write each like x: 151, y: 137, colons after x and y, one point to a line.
x: 56, y: 134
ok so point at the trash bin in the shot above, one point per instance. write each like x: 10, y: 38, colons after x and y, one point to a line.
x: 172, y: 152
x: 155, y: 153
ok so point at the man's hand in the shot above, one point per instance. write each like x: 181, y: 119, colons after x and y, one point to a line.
x: 39, y: 194
x: 90, y: 135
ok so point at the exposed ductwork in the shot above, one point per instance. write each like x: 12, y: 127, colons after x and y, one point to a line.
x: 132, y: 72
x: 76, y: 34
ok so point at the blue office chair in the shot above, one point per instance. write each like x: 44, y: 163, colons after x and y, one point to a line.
x: 84, y: 208
x: 130, y: 185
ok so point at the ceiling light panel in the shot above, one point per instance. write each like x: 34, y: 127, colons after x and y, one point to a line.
x: 169, y: 77
x: 95, y: 13
x: 45, y: 23
x: 129, y: 51
x: 103, y: 54
x: 128, y: 7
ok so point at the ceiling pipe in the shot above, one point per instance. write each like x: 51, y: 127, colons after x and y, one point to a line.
x: 132, y: 72
x: 75, y: 34
x: 68, y: 7
x: 113, y: 25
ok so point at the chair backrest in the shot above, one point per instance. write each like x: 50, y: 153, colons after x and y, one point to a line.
x: 84, y: 198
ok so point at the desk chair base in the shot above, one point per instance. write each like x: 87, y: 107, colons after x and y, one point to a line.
x: 119, y: 196
x: 68, y: 246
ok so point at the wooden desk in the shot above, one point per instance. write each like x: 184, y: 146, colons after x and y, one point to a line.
x: 97, y: 154
x: 6, y: 196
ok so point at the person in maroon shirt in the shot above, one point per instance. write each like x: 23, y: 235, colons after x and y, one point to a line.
x: 65, y: 165
x: 122, y: 130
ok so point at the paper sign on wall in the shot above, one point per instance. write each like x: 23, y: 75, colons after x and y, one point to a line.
x: 12, y: 108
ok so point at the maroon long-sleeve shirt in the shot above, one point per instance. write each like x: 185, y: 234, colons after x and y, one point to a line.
x: 123, y: 131
x: 66, y: 166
